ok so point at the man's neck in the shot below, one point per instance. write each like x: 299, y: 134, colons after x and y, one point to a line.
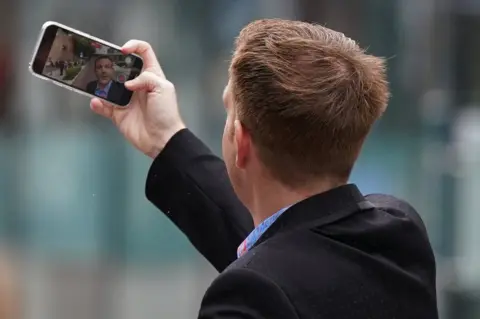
x: 269, y: 199
x: 102, y: 86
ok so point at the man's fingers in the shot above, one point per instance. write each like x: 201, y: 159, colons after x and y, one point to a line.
x: 147, y: 82
x: 101, y: 108
x: 107, y: 110
x: 145, y: 51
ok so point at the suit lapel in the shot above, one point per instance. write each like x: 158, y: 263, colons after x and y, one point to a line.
x: 112, y: 93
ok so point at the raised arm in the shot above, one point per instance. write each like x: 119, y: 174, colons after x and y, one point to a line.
x: 190, y: 185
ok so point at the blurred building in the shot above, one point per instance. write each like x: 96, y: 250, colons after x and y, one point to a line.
x: 62, y: 48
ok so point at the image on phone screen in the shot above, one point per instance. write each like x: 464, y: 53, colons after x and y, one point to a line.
x: 85, y: 64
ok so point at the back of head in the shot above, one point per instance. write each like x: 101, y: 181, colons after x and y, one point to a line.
x: 308, y: 96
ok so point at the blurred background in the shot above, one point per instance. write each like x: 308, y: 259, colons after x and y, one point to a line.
x: 78, y: 239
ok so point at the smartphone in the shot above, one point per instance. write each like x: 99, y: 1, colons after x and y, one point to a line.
x: 84, y: 64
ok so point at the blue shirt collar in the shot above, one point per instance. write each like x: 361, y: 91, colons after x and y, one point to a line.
x: 106, y: 88
x: 253, y: 237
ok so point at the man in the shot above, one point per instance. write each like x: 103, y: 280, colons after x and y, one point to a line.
x: 61, y: 66
x: 105, y: 86
x: 300, y: 102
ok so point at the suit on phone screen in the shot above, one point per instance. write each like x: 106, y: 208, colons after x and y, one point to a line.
x: 114, y: 92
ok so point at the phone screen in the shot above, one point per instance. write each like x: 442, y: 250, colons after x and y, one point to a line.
x: 87, y: 65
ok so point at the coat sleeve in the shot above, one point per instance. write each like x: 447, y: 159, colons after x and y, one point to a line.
x: 191, y: 186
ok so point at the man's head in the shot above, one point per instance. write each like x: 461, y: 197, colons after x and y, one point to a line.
x: 104, y: 70
x: 300, y: 101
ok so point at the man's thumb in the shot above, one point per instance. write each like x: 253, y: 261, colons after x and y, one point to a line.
x: 146, y: 81
x: 102, y: 108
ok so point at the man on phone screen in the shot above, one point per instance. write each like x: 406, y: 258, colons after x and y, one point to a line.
x: 105, y: 86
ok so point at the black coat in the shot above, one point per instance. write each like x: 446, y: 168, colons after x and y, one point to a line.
x: 336, y: 255
x: 117, y: 94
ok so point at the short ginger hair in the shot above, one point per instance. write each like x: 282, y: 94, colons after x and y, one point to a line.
x: 308, y: 95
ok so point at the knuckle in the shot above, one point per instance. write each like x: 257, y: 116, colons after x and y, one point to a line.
x: 143, y: 45
x: 130, y: 42
x: 149, y: 75
x: 167, y: 85
x: 139, y: 46
x: 152, y: 79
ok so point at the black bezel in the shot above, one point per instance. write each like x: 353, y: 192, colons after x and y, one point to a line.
x: 44, y: 49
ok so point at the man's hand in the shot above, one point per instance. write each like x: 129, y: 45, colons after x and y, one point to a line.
x: 152, y: 116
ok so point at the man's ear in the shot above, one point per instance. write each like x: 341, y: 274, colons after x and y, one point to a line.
x: 242, y: 143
